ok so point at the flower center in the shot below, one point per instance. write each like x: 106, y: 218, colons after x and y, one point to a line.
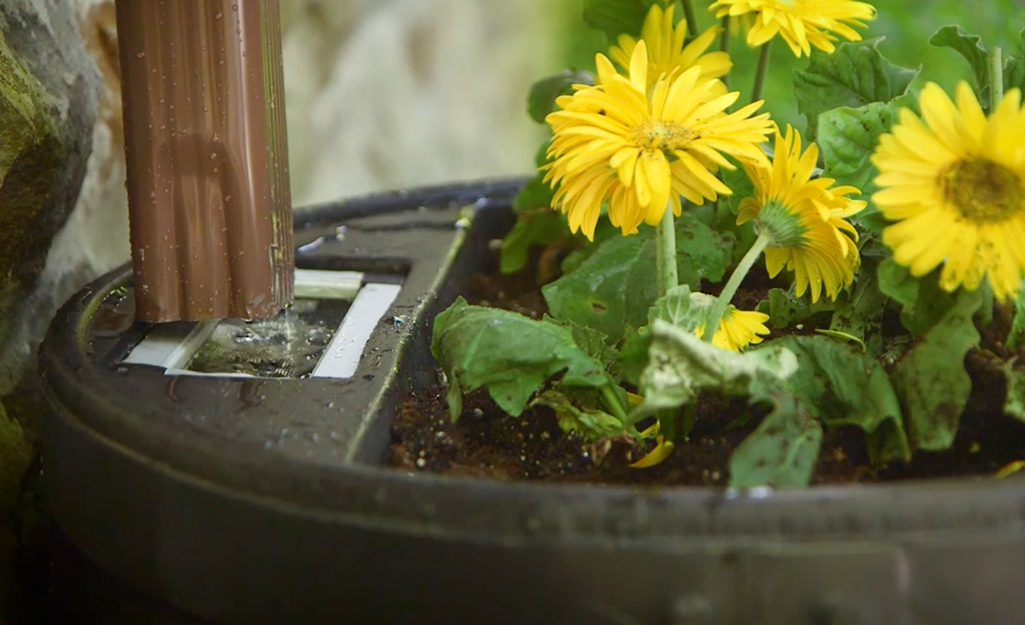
x: 783, y: 226
x: 658, y: 134
x: 983, y: 191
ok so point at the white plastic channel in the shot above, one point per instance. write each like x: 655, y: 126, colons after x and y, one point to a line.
x: 342, y: 356
x: 166, y: 348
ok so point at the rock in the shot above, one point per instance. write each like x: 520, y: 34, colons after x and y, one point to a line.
x: 48, y: 103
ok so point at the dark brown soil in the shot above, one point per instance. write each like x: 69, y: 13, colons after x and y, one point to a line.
x: 485, y: 442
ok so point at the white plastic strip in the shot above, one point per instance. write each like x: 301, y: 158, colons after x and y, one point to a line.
x: 165, y: 347
x: 342, y: 356
x: 326, y: 284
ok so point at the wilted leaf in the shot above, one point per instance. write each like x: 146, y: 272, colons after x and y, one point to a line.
x: 843, y: 386
x: 591, y: 423
x: 510, y: 354
x: 782, y: 451
x: 931, y: 381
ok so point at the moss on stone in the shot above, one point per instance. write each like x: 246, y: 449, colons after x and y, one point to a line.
x: 32, y: 155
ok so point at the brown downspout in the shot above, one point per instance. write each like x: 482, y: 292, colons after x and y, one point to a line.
x: 207, y: 158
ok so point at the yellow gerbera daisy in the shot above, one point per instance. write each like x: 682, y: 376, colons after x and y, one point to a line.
x: 801, y: 23
x: 668, y: 51
x: 614, y: 142
x: 955, y: 183
x: 805, y: 218
x: 737, y: 329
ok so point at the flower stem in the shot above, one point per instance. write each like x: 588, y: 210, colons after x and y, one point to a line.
x: 760, y: 71
x: 728, y: 291
x: 724, y: 46
x: 665, y: 252
x: 692, y: 19
x: 996, y: 78
x: 613, y: 402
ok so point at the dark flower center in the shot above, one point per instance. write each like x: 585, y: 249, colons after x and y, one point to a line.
x: 983, y: 191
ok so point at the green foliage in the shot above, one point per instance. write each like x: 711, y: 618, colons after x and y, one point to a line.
x: 971, y: 47
x: 576, y: 415
x: 932, y: 384
x: 616, y: 17
x: 848, y: 136
x: 842, y: 386
x: 1016, y: 335
x: 616, y: 285
x: 544, y: 92
x: 924, y: 303
x: 782, y: 451
x: 855, y: 75
x: 539, y: 227
x: 785, y: 308
x: 680, y: 366
x: 510, y: 354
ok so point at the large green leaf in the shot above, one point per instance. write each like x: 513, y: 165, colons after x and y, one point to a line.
x: 616, y: 17
x: 924, y: 302
x: 848, y: 137
x: 510, y: 354
x: 931, y: 380
x: 971, y: 47
x: 854, y: 75
x: 680, y: 366
x: 616, y: 284
x: 843, y: 386
x: 543, y: 93
x: 782, y: 451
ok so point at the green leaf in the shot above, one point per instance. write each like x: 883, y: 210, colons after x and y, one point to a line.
x: 931, y: 380
x: 785, y: 308
x: 613, y: 287
x: 1014, y: 68
x: 861, y: 314
x: 843, y: 386
x: 539, y: 227
x: 510, y: 354
x: 616, y: 17
x: 971, y: 47
x: 681, y: 365
x: 854, y: 75
x: 848, y: 137
x: 585, y: 420
x: 1016, y: 335
x: 616, y: 285
x: 781, y: 452
x: 924, y: 302
x: 544, y: 92
x: 682, y: 308
x: 633, y: 355
x: 702, y: 253
x: 594, y: 343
